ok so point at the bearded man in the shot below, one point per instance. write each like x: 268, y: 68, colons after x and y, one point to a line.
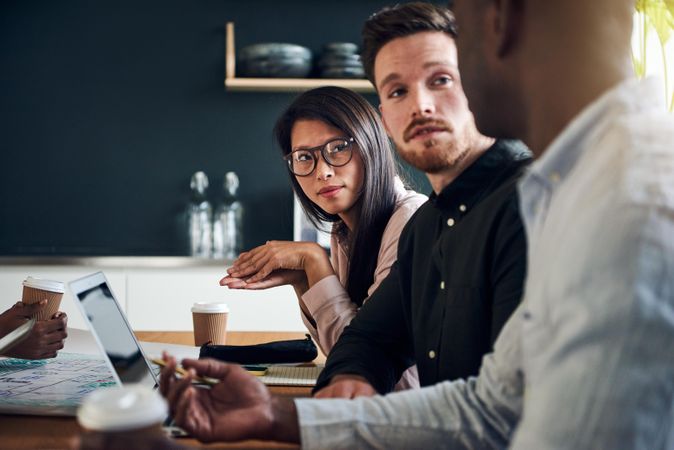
x: 462, y: 256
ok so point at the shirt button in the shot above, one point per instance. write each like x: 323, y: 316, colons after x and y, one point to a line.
x: 431, y: 354
x: 442, y: 285
x: 462, y: 208
x: 450, y: 222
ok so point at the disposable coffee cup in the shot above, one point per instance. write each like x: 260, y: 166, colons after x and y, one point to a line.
x: 122, y: 408
x: 210, y: 323
x: 127, y: 416
x: 37, y: 289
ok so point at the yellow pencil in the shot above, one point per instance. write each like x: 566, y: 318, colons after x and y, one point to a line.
x: 258, y: 371
x: 182, y: 372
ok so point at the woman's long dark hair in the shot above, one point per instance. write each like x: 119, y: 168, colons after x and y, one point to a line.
x: 352, y: 114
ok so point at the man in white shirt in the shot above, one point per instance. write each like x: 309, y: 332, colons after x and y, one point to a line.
x: 587, y: 361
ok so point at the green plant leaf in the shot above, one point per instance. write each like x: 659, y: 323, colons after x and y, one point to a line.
x: 670, y: 8
x: 661, y: 19
x: 639, y: 66
x: 655, y: 15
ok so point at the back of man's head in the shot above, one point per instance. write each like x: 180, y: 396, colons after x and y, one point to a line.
x: 399, y: 21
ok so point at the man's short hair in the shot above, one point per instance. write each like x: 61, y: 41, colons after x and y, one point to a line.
x: 398, y: 21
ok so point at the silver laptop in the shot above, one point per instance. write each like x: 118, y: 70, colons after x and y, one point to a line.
x: 109, y: 326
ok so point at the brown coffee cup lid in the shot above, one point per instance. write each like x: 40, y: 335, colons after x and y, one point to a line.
x: 44, y: 285
x: 121, y: 408
x: 210, y: 308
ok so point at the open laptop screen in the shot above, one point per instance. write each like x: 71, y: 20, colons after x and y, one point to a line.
x: 113, y: 332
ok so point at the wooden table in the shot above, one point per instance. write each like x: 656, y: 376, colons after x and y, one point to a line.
x: 42, y: 432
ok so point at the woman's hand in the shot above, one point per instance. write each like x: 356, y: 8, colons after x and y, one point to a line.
x: 296, y: 278
x: 262, y: 263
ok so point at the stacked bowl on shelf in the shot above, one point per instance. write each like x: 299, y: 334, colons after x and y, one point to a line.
x: 275, y: 60
x: 281, y: 60
x: 340, y: 60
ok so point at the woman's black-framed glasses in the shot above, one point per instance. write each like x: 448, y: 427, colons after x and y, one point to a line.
x: 337, y: 153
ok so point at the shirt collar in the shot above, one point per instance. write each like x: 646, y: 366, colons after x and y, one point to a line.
x: 566, y: 149
x: 399, y: 188
x: 476, y: 179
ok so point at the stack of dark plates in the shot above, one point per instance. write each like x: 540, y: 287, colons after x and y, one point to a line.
x: 276, y: 60
x: 340, y: 60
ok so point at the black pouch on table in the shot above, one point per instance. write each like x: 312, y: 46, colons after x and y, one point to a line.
x: 277, y: 352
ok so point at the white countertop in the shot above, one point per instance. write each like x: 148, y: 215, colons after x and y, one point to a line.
x: 114, y: 261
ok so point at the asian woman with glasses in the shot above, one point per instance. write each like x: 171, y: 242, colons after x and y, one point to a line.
x: 342, y: 169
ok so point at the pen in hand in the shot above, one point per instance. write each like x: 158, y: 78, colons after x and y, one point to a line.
x: 182, y: 372
x: 258, y: 371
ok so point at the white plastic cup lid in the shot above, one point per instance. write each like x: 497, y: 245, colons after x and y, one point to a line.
x: 121, y: 408
x: 44, y: 285
x: 210, y: 308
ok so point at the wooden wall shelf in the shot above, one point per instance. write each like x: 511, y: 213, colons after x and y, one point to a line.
x: 232, y: 83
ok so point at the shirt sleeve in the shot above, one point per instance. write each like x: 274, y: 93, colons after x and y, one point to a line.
x: 607, y: 372
x: 332, y: 309
x: 478, y: 413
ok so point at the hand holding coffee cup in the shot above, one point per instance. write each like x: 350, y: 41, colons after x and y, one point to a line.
x: 210, y: 323
x: 37, y: 289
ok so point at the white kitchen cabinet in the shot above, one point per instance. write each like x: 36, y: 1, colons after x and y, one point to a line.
x: 157, y: 295
x: 161, y: 300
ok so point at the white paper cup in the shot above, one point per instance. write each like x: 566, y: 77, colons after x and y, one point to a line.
x: 210, y: 323
x: 37, y: 289
x: 122, y: 408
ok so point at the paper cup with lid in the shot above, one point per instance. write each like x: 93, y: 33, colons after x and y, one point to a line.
x: 122, y: 408
x: 128, y: 416
x: 38, y: 289
x: 210, y: 323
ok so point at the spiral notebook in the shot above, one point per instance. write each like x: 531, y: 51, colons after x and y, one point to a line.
x: 282, y: 375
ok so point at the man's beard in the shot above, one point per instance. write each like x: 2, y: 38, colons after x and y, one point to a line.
x: 437, y: 155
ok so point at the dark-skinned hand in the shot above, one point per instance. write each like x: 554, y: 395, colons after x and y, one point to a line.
x: 238, y: 407
x: 46, y: 337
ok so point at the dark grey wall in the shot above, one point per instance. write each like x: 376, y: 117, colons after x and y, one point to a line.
x: 108, y: 107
